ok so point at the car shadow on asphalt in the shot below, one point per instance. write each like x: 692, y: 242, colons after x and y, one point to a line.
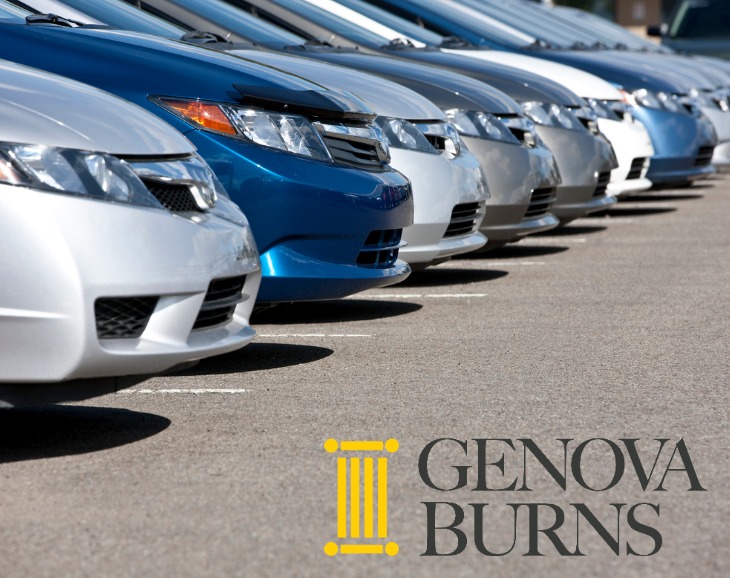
x: 634, y: 211
x: 569, y: 230
x: 258, y: 356
x: 517, y: 251
x: 32, y: 433
x: 336, y: 311
x: 451, y: 276
x: 662, y: 197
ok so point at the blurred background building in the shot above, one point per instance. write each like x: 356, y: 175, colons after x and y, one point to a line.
x: 634, y: 14
x: 631, y: 13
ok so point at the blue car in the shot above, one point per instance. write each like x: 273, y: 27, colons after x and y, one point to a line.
x: 683, y: 140
x: 305, y: 164
x: 583, y: 156
x: 521, y: 171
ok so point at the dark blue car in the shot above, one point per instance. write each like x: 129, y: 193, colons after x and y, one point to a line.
x: 306, y: 165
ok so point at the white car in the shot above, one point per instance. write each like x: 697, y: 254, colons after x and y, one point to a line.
x: 122, y: 256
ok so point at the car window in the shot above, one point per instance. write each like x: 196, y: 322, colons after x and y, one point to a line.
x: 117, y: 13
x: 11, y: 11
x: 335, y: 23
x: 244, y: 24
x: 702, y: 19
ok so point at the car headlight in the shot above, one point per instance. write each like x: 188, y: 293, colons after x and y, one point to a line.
x: 588, y: 117
x: 657, y: 100
x: 401, y: 134
x: 609, y: 110
x: 711, y: 98
x: 480, y: 125
x: 286, y: 132
x: 68, y: 171
x: 194, y: 172
x: 602, y: 109
x: 721, y: 96
x: 522, y: 128
x: 550, y: 114
x: 442, y: 135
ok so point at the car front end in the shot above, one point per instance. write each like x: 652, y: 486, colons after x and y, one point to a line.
x: 306, y: 164
x: 123, y: 255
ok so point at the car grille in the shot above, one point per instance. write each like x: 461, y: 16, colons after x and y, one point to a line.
x: 380, y: 250
x: 637, y: 166
x: 346, y: 150
x: 463, y: 220
x: 602, y: 185
x: 704, y: 156
x: 123, y: 317
x: 174, y: 197
x: 220, y: 302
x: 540, y: 203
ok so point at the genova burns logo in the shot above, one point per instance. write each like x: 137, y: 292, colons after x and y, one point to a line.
x: 362, y: 485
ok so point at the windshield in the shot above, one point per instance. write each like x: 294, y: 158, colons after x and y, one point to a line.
x: 457, y: 19
x: 701, y: 19
x: 605, y: 30
x: 240, y: 22
x: 120, y: 15
x: 10, y: 11
x: 398, y: 27
x: 338, y: 24
x: 529, y: 17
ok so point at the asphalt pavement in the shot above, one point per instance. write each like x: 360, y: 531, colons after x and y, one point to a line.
x: 614, y: 328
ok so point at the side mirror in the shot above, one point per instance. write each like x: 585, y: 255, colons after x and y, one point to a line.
x: 655, y: 30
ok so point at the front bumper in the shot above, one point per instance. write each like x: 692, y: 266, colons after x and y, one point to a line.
x: 581, y: 158
x: 721, y: 157
x: 439, y: 185
x: 311, y: 219
x: 513, y: 173
x: 62, y: 253
x: 679, y: 141
x: 632, y: 144
x: 721, y: 123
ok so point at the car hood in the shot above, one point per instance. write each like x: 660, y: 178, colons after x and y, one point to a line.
x: 678, y: 66
x: 518, y: 84
x: 42, y: 108
x: 582, y: 83
x: 445, y: 88
x: 133, y: 64
x: 386, y: 97
x: 609, y: 65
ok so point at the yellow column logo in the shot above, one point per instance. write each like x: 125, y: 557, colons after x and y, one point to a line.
x: 368, y: 499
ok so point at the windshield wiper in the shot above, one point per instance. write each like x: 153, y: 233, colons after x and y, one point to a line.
x: 455, y: 42
x: 203, y: 37
x: 400, y: 44
x: 579, y: 45
x: 52, y: 19
x: 317, y: 42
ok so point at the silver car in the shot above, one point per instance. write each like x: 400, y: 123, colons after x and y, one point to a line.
x: 122, y: 255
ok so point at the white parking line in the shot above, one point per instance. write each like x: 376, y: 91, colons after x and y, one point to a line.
x: 499, y: 263
x: 418, y: 296
x: 536, y: 242
x: 193, y: 391
x: 314, y: 335
x: 609, y: 220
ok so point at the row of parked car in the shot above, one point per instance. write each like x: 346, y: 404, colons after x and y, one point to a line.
x: 361, y: 140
